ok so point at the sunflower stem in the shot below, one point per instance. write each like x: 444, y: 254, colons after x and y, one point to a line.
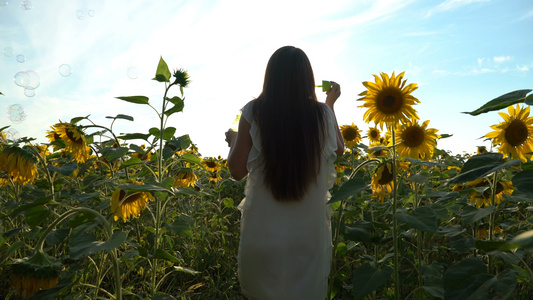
x: 159, y: 179
x: 492, y: 216
x: 108, y: 232
x: 337, y: 228
x: 394, y: 222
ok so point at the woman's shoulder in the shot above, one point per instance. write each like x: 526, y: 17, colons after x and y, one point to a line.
x: 247, y: 110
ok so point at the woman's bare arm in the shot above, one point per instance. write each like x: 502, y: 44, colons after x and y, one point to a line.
x: 240, y: 144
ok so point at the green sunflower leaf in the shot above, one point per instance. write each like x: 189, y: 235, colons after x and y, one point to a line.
x: 351, y: 187
x: 529, y: 100
x: 369, y: 279
x: 111, y: 154
x: 501, y: 102
x: 523, y: 240
x: 135, y: 136
x: 162, y: 73
x: 131, y: 162
x: 155, y: 132
x: 422, y: 218
x: 168, y: 133
x: 162, y: 254
x: 143, y: 188
x: 523, y: 181
x: 121, y: 116
x: 65, y: 169
x: 178, y: 107
x: 479, y: 166
x: 135, y: 99
x: 191, y: 158
x: 471, y: 214
x: 5, y: 127
x: 77, y: 119
x: 85, y: 244
x: 1, y: 93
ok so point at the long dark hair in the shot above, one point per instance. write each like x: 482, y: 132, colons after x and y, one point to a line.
x: 291, y: 123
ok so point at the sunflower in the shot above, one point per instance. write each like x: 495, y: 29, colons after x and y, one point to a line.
x: 211, y: 164
x: 482, y: 198
x: 3, y: 138
x: 483, y: 231
x: 389, y: 100
x: 377, y: 150
x: 214, y: 177
x: 351, y: 135
x: 416, y: 141
x: 374, y: 135
x: 74, y: 140
x: 382, y: 181
x: 19, y: 164
x: 185, y: 177
x: 515, y: 134
x: 481, y: 150
x: 33, y: 274
x: 144, y: 156
x: 125, y: 206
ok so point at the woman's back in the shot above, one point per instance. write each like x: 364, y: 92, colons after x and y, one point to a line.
x: 285, y: 247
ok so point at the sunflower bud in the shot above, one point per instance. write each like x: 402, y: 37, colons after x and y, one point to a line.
x: 182, y: 78
x: 35, y: 273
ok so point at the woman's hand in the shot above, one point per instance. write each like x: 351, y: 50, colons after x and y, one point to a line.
x: 230, y: 137
x: 333, y: 94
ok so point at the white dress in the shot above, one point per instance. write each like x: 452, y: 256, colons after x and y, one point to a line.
x: 285, y: 247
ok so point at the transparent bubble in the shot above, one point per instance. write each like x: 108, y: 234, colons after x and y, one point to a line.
x: 3, y: 3
x: 132, y: 73
x: 29, y: 92
x: 16, y: 113
x: 26, y: 5
x: 27, y: 79
x: 80, y: 14
x: 8, y: 51
x: 65, y: 70
x: 20, y: 78
x: 12, y: 134
x: 21, y: 58
x: 91, y: 13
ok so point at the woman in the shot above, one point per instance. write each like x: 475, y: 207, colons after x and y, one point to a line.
x: 287, y: 142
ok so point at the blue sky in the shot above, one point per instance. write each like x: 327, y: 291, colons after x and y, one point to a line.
x: 462, y: 53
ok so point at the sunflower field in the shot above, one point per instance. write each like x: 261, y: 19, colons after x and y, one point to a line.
x: 93, y: 215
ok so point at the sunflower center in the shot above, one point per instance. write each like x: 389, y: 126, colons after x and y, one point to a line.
x: 349, y: 134
x: 386, y: 176
x: 210, y: 164
x: 413, y: 136
x: 374, y: 134
x: 389, y: 100
x: 132, y: 198
x: 73, y: 138
x: 516, y: 133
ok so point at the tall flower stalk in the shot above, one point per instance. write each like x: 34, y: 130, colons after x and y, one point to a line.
x: 162, y: 134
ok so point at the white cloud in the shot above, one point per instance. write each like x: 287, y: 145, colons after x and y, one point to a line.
x: 451, y: 5
x: 500, y: 59
x: 523, y: 68
x: 480, y: 61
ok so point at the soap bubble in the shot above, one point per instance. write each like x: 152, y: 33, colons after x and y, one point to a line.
x: 80, y: 14
x: 16, y: 113
x: 3, y: 3
x: 12, y: 134
x: 132, y: 73
x: 20, y: 78
x: 29, y: 92
x: 26, y: 5
x: 65, y: 70
x: 21, y: 58
x: 27, y: 79
x: 8, y: 51
x: 91, y: 13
